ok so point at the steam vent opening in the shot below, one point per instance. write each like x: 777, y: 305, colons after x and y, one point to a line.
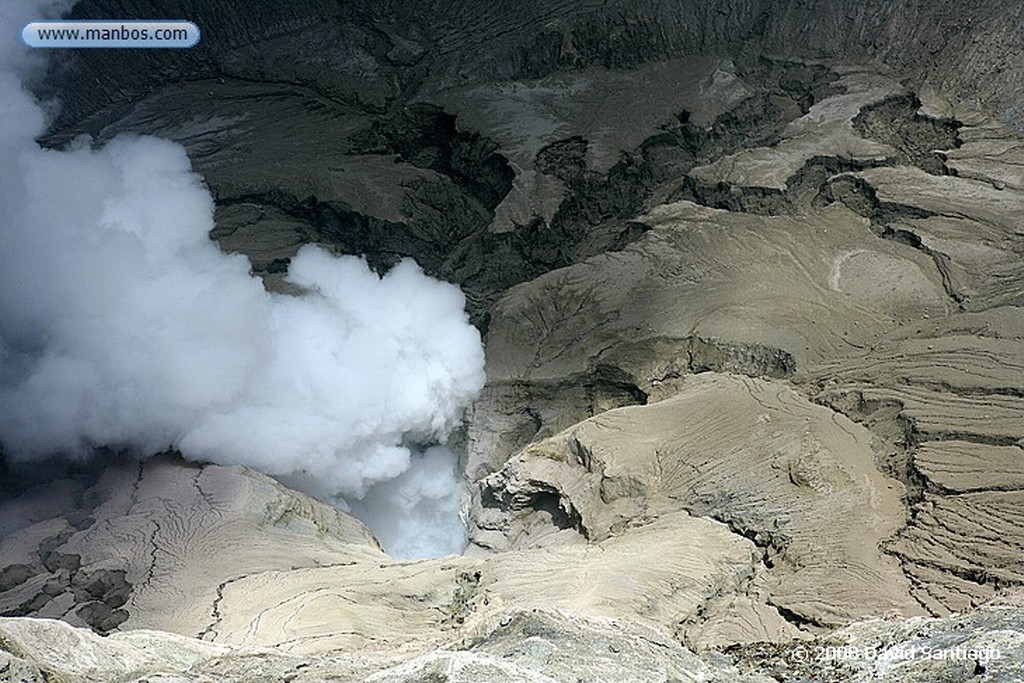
x: 417, y: 514
x: 145, y: 335
x: 550, y: 340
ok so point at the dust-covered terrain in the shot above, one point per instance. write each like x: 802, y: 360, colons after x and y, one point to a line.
x: 749, y: 278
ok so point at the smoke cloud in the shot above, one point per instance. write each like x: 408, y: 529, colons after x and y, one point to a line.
x: 123, y: 325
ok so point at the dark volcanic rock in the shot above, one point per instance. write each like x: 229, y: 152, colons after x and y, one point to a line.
x: 370, y: 55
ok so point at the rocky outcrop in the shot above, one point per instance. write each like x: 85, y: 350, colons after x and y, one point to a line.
x: 983, y: 645
x: 749, y: 453
x: 908, y: 334
x: 538, y: 645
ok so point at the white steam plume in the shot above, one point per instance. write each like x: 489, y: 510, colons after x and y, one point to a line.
x: 122, y: 324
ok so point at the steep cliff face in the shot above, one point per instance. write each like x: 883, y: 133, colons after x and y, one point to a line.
x: 750, y: 278
x: 346, y: 88
x: 374, y: 55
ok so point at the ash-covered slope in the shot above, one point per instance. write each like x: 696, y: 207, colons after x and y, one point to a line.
x: 751, y: 277
x: 340, y: 101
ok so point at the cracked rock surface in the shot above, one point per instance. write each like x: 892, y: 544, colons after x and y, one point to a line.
x: 754, y: 326
x: 151, y: 545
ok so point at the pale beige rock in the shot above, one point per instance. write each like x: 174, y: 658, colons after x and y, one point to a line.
x: 154, y: 542
x: 989, y: 152
x: 827, y: 126
x: 963, y: 466
x: 948, y: 195
x: 658, y: 576
x: 917, y: 335
x: 717, y: 274
x: 76, y: 654
x: 751, y: 453
x: 233, y: 557
x: 539, y: 646
x: 954, y: 410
